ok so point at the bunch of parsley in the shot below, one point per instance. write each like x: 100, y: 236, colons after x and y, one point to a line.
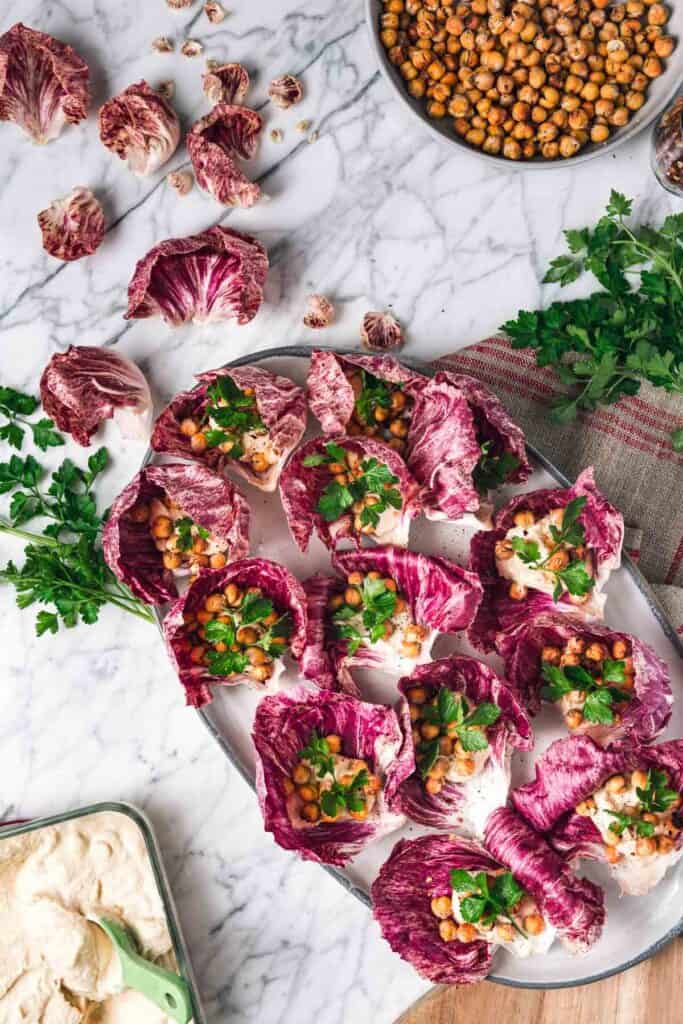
x: 604, y: 346
x: 63, y: 565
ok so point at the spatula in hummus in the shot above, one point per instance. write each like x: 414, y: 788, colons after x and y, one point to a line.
x: 165, y: 989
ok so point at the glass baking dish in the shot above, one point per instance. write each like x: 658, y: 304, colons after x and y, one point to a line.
x: 142, y: 822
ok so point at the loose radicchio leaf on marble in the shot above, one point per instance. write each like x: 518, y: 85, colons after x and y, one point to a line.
x: 301, y: 487
x: 282, y: 727
x: 85, y: 385
x: 209, y: 500
x: 604, y: 532
x: 466, y: 805
x: 140, y: 127
x: 281, y: 405
x: 181, y: 181
x: 572, y: 905
x: 226, y: 83
x: 214, y: 143
x: 285, y: 91
x: 453, y: 417
x: 73, y: 226
x: 330, y: 394
x: 162, y: 44
x: 380, y: 332
x: 192, y: 48
x: 276, y: 583
x: 44, y: 84
x: 320, y: 312
x: 641, y: 719
x: 216, y: 275
x: 215, y: 12
x: 418, y: 871
x: 440, y: 594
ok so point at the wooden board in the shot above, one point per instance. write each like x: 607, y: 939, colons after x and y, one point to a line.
x: 646, y: 993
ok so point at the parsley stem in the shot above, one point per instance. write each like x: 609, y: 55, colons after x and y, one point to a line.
x: 34, y: 538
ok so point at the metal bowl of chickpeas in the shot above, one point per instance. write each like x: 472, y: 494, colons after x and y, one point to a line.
x: 535, y: 82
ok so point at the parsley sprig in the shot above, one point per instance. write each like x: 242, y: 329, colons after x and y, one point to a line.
x: 272, y: 641
x: 453, y: 709
x: 15, y: 407
x: 600, y: 700
x: 374, y: 395
x: 604, y: 346
x: 376, y: 479
x: 317, y: 753
x: 493, y: 470
x: 656, y: 796
x: 183, y: 527
x: 378, y: 604
x: 574, y: 575
x: 487, y: 899
x: 624, y: 821
x: 339, y: 798
x: 237, y: 417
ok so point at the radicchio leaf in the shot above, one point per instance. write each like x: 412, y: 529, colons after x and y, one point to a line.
x: 226, y: 83
x: 276, y: 583
x: 467, y: 805
x: 285, y: 91
x: 44, y: 84
x: 208, y: 499
x: 85, y: 385
x: 320, y: 312
x: 641, y: 719
x: 214, y: 142
x: 380, y: 331
x: 216, y: 275
x: 281, y: 405
x: 73, y: 226
x: 140, y: 127
x: 283, y: 726
x: 604, y: 533
x: 301, y: 487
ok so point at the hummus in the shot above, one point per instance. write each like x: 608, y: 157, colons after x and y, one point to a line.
x: 56, y: 966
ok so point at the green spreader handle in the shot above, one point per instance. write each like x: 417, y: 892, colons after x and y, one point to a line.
x: 165, y: 989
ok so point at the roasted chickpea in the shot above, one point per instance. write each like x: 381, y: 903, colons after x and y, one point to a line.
x: 568, y: 146
x: 550, y: 150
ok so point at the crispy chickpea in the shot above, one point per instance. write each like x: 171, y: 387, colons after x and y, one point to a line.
x: 657, y: 15
x: 534, y: 924
x: 493, y: 60
x: 550, y: 97
x: 492, y: 145
x: 663, y: 46
x: 645, y: 846
x: 652, y: 67
x: 634, y: 100
x: 520, y: 111
x: 574, y: 719
x: 615, y: 784
x: 547, y: 133
x: 448, y: 930
x: 599, y: 133
x: 188, y: 427
x: 334, y: 743
x: 475, y: 137
x: 517, y: 592
x: 433, y: 786
x: 442, y: 907
x: 310, y: 812
x: 459, y: 106
x: 665, y: 844
x: 612, y: 856
x: 417, y: 695
x: 619, y: 117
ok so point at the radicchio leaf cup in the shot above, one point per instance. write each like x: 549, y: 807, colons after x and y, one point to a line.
x: 465, y: 803
x: 283, y: 726
x: 85, y: 385
x: 140, y: 127
x: 604, y: 533
x: 568, y: 774
x: 209, y: 500
x: 418, y: 872
x: 640, y: 719
x: 441, y: 596
x: 206, y: 278
x: 301, y: 487
x: 214, y: 143
x: 276, y: 583
x: 44, y: 83
x: 281, y: 406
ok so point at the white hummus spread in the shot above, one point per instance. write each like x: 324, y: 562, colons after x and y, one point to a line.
x: 56, y: 966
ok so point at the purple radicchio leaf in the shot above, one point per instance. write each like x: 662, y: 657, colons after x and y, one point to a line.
x: 301, y: 487
x: 281, y: 406
x: 72, y: 227
x: 206, y: 278
x: 572, y: 905
x: 208, y: 499
x: 140, y: 127
x: 604, y: 532
x: 226, y: 83
x: 466, y: 805
x: 282, y: 728
x: 276, y: 583
x: 214, y: 144
x: 85, y: 385
x: 641, y: 719
x: 44, y: 83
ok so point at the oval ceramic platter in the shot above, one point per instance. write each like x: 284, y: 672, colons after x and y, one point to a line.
x: 636, y: 926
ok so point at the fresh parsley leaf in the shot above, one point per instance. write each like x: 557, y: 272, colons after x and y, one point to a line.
x: 576, y: 579
x: 314, y: 460
x: 335, y: 500
x: 317, y: 753
x: 374, y: 394
x: 472, y: 739
x: 493, y: 470
x: 472, y: 908
x: 254, y: 608
x: 613, y: 671
x: 677, y: 439
x: 462, y: 881
x: 527, y: 551
x: 485, y: 901
x: 656, y: 796
x: 227, y: 663
x: 428, y: 752
x: 484, y: 714
x: 598, y: 706
x: 624, y: 821
x: 220, y: 632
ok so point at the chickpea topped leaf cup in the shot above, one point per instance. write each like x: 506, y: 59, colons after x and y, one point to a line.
x: 348, y: 489
x: 445, y: 904
x: 607, y: 684
x: 456, y: 437
x: 245, y: 419
x: 384, y: 613
x: 170, y: 522
x: 549, y: 550
x: 235, y: 625
x: 622, y: 806
x: 327, y: 770
x: 465, y: 723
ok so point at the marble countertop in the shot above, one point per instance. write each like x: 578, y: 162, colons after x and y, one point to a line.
x: 375, y: 213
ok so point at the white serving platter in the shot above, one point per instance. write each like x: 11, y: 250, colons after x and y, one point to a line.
x: 636, y: 926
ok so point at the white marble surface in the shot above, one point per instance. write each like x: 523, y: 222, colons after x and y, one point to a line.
x: 375, y: 213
